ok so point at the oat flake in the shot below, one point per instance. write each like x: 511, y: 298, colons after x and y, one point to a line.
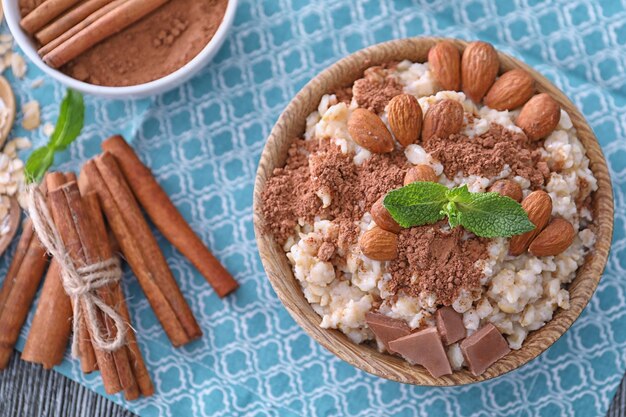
x: 31, y: 113
x: 18, y: 65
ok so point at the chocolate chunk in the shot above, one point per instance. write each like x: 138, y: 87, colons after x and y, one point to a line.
x: 484, y: 348
x: 450, y: 325
x: 424, y: 348
x: 386, y: 328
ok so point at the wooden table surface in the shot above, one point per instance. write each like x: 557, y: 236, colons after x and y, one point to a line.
x: 26, y: 390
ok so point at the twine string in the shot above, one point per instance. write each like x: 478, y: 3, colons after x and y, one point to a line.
x: 80, y: 282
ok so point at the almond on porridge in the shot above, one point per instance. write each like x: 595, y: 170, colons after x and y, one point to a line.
x: 439, y: 293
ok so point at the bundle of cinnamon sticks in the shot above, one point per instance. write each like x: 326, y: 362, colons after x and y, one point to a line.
x: 67, y: 28
x: 113, y: 186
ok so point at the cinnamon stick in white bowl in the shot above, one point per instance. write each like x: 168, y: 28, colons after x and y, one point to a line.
x: 69, y: 20
x: 112, y: 22
x: 88, y: 20
x: 44, y: 13
x: 166, y: 216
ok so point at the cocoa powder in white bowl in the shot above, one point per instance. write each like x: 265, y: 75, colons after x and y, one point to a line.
x: 27, y: 44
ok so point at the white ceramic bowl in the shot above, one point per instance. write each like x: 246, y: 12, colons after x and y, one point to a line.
x: 25, y: 42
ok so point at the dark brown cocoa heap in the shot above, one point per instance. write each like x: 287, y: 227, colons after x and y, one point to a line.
x: 436, y: 260
x: 291, y: 192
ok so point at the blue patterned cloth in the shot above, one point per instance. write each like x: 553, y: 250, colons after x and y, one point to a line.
x: 203, y: 141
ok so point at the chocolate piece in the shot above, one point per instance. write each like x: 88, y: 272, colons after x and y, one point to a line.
x: 483, y: 348
x: 450, y: 325
x: 386, y: 328
x: 424, y: 348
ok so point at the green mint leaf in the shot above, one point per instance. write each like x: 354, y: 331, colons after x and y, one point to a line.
x: 451, y: 211
x: 417, y: 204
x: 459, y: 194
x: 492, y: 215
x: 70, y: 121
x: 68, y: 127
x: 38, y: 163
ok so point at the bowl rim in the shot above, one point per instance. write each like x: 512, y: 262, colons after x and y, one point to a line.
x: 386, y: 366
x: 165, y: 83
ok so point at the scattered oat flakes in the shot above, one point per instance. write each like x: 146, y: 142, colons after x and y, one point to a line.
x: 6, y: 60
x: 4, y: 161
x: 31, y: 113
x: 37, y: 83
x: 17, y: 165
x: 18, y: 65
x: 12, y: 179
x: 4, y: 48
x: 48, y: 128
x: 11, y: 152
x: 20, y: 143
x: 5, y: 37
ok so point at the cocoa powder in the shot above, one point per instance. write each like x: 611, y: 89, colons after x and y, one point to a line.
x: 152, y: 48
x: 376, y: 88
x: 487, y: 154
x: 431, y: 258
x: 291, y: 192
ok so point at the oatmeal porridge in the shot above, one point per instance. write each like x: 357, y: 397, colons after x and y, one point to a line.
x: 432, y: 287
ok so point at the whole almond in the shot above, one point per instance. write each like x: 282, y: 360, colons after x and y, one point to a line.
x: 444, y: 61
x: 511, y: 90
x: 369, y: 131
x: 508, y: 188
x: 383, y: 218
x: 379, y: 244
x: 420, y: 173
x: 442, y: 119
x: 538, y: 206
x: 539, y: 117
x: 479, y: 69
x: 405, y: 118
x: 554, y: 239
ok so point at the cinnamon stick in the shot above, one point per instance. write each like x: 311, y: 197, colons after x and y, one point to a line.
x: 88, y: 360
x: 52, y: 323
x: 140, y: 371
x: 111, y: 23
x: 69, y: 20
x: 44, y: 13
x: 72, y: 223
x: 166, y: 216
x: 141, y: 250
x: 102, y: 252
x: 79, y: 26
x: 16, y: 262
x: 19, y: 289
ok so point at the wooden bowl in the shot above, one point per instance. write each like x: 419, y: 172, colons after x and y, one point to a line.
x: 291, y: 124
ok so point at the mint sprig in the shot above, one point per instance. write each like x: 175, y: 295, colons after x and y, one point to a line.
x: 484, y: 214
x: 417, y: 203
x: 68, y: 127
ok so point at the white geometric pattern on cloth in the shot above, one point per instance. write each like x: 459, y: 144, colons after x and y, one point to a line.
x: 203, y: 141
